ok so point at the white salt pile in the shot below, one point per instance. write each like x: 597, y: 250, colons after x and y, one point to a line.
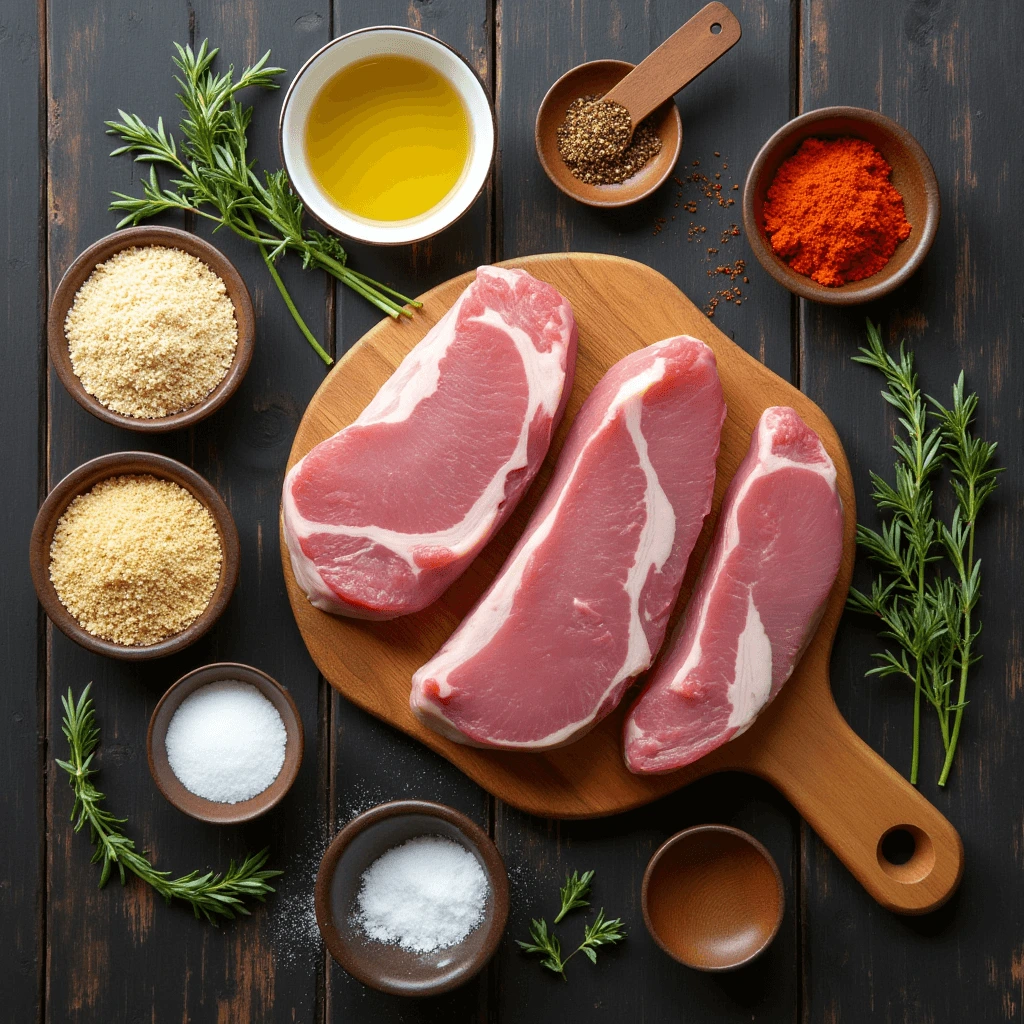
x: 226, y: 742
x: 426, y: 894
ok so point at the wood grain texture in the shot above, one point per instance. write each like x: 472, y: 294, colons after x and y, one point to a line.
x: 943, y: 68
x: 800, y: 744
x: 691, y: 49
x: 729, y: 111
x: 22, y: 412
x: 940, y: 69
x: 101, y: 953
x: 370, y: 762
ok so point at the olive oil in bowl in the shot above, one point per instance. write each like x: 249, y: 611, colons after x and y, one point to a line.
x: 387, y: 138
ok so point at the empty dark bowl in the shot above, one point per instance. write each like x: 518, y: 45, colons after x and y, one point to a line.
x: 386, y: 967
x: 83, y: 479
x: 912, y: 176
x: 170, y: 785
x: 171, y: 238
x: 713, y: 898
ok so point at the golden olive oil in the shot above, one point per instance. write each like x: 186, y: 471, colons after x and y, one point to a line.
x: 387, y: 138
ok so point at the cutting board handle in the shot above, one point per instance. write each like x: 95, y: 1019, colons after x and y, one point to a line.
x: 853, y: 799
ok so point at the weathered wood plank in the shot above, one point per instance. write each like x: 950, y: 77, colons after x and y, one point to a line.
x: 370, y: 762
x: 726, y: 111
x: 941, y: 70
x: 243, y: 450
x: 102, y: 944
x: 22, y: 418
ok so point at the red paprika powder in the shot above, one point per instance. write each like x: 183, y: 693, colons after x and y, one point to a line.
x: 832, y: 213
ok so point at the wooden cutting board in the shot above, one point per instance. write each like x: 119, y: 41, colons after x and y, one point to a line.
x: 801, y: 744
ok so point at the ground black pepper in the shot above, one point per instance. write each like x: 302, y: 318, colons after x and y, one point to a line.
x: 592, y: 137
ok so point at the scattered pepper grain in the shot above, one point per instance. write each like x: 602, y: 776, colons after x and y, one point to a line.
x: 135, y: 560
x: 151, y: 332
x: 592, y: 141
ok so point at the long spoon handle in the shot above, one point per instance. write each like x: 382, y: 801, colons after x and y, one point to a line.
x: 712, y: 31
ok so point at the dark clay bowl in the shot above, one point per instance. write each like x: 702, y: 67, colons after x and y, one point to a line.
x: 209, y: 810
x: 171, y: 238
x: 595, y: 79
x: 713, y: 898
x: 912, y: 175
x: 389, y: 968
x: 80, y: 480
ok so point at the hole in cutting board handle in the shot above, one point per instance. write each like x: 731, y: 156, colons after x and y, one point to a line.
x: 716, y: 28
x: 906, y: 853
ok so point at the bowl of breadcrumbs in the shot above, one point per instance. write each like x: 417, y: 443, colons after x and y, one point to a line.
x: 151, y: 329
x: 134, y: 555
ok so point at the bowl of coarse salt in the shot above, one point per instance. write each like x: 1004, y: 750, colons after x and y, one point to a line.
x: 412, y: 898
x: 225, y: 743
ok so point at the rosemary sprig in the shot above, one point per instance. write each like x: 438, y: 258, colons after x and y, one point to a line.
x: 217, y: 180
x: 974, y: 479
x: 210, y: 895
x: 601, y: 932
x: 927, y: 613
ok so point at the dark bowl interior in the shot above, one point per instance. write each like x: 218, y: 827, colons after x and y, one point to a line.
x: 389, y: 968
x: 83, y: 479
x: 912, y: 175
x: 713, y: 898
x: 595, y: 79
x: 199, y: 807
x: 77, y: 274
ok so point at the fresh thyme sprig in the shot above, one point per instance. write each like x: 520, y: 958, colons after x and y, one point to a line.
x: 928, y: 613
x: 216, y: 174
x: 601, y: 932
x: 575, y: 892
x: 210, y: 895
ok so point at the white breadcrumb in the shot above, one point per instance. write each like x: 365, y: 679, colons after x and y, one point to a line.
x: 136, y: 559
x: 151, y: 332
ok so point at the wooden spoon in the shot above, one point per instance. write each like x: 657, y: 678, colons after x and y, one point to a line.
x: 711, y: 32
x: 644, y: 90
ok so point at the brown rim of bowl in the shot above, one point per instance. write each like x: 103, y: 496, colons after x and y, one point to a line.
x: 782, y: 144
x: 210, y: 810
x: 76, y: 275
x: 308, y: 64
x: 597, y: 201
x: 497, y: 876
x: 82, y: 479
x: 686, y: 833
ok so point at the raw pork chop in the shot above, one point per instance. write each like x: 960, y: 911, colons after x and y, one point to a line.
x: 758, y: 601
x: 582, y: 603
x: 382, y: 517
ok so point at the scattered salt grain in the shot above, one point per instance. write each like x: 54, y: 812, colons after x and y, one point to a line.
x: 226, y: 742
x: 427, y: 894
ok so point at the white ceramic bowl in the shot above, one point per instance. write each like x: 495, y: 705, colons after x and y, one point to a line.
x: 340, y: 53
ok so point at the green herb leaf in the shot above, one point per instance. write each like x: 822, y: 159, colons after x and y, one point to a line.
x: 211, y: 896
x: 601, y: 932
x: 920, y: 604
x: 574, y: 893
x: 217, y: 179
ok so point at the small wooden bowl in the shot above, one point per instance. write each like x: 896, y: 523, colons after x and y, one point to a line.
x: 389, y: 968
x: 912, y: 175
x: 85, y: 477
x: 595, y: 79
x: 712, y: 898
x: 170, y: 785
x: 171, y: 238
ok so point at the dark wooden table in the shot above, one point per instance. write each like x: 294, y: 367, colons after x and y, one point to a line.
x: 947, y: 71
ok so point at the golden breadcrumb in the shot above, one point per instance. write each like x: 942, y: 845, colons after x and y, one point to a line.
x: 151, y: 332
x: 136, y: 559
